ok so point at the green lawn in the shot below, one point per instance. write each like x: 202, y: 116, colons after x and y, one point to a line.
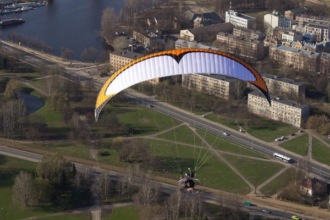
x: 144, y: 120
x: 298, y: 145
x: 84, y: 216
x: 65, y: 148
x: 320, y: 152
x: 279, y: 183
x: 51, y: 118
x: 219, y: 143
x: 256, y: 171
x: 182, y: 134
x: 123, y: 213
x: 260, y: 128
x: 214, y: 173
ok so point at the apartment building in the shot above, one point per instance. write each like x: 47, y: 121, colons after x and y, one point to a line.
x: 180, y: 43
x: 292, y: 13
x: 305, y: 19
x: 291, y: 36
x: 242, y: 46
x: 325, y: 63
x: 286, y: 111
x: 122, y: 57
x: 321, y: 30
x: 284, y: 86
x: 275, y: 19
x: 240, y: 20
x: 296, y: 58
x: 206, y: 33
x: 220, y: 86
x: 248, y: 33
x: 119, y: 58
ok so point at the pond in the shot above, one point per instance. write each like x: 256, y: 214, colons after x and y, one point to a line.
x: 32, y: 103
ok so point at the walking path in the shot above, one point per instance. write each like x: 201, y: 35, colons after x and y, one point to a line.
x: 270, y: 180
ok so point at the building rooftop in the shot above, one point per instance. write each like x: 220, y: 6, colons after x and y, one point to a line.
x: 279, y: 100
x: 296, y: 50
x: 318, y: 24
x: 325, y: 55
x: 242, y: 38
x: 212, y: 28
x: 286, y: 80
x: 221, y: 77
x: 298, y: 10
x: 194, y: 44
x: 127, y: 54
x: 237, y: 14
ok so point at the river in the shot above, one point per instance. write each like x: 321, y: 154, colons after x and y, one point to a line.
x: 72, y: 24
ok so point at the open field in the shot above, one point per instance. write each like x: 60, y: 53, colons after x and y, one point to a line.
x: 256, y: 171
x: 182, y: 134
x: 214, y: 173
x: 144, y: 120
x: 279, y: 183
x: 123, y: 213
x: 320, y: 152
x: 221, y: 144
x: 298, y: 145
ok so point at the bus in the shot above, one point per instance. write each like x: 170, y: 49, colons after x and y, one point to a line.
x: 282, y: 157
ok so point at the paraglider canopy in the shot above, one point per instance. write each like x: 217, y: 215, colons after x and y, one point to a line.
x: 178, y: 62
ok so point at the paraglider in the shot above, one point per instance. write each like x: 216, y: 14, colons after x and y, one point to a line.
x: 178, y: 62
x: 188, y: 180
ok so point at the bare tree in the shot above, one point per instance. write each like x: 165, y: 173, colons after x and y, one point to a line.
x: 11, y: 118
x: 120, y: 42
x: 148, y: 192
x: 193, y: 207
x: 173, y: 205
x: 89, y: 54
x: 66, y: 53
x: 102, y: 186
x: 23, y: 190
x: 108, y: 23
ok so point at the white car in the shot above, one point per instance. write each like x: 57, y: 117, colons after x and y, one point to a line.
x: 224, y: 133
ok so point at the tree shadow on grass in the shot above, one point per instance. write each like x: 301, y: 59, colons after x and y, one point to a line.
x: 3, y: 159
x: 171, y: 164
x: 7, y: 176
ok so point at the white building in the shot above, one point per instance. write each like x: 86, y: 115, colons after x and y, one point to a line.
x: 292, y: 36
x: 286, y: 111
x: 240, y: 20
x: 275, y: 19
x: 217, y: 85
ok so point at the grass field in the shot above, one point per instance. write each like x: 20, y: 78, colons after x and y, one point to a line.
x: 51, y: 118
x: 256, y: 171
x: 320, y: 152
x: 298, y: 145
x: 214, y: 173
x: 279, y: 183
x: 219, y: 143
x: 123, y: 213
x: 144, y: 120
x: 66, y: 148
x: 182, y: 134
